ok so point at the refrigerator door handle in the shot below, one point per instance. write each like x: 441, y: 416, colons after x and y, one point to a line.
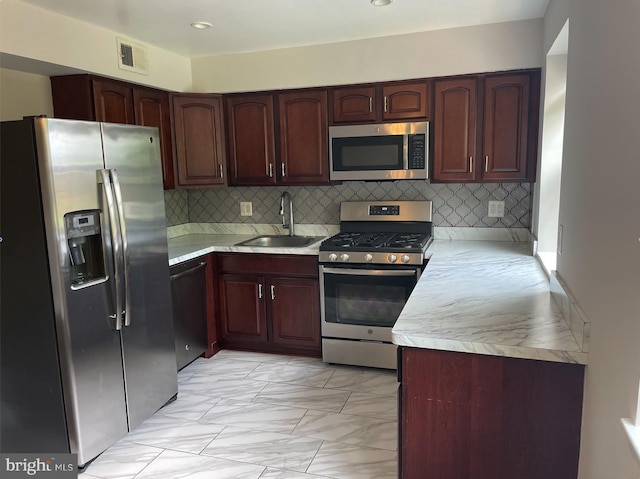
x: 125, y: 247
x: 115, y: 243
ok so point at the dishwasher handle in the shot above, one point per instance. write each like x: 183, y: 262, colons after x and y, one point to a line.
x: 189, y: 271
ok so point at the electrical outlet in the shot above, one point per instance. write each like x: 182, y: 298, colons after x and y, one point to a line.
x: 496, y: 209
x: 246, y: 208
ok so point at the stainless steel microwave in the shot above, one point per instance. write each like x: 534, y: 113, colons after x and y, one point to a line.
x: 385, y: 151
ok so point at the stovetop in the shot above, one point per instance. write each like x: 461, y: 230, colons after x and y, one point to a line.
x: 405, y: 242
x: 380, y: 232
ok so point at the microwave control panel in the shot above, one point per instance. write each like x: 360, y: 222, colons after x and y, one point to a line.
x: 417, y: 151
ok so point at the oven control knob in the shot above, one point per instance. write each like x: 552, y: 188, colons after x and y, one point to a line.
x: 392, y: 258
x: 333, y: 257
x: 405, y: 258
x: 344, y: 257
x: 368, y: 258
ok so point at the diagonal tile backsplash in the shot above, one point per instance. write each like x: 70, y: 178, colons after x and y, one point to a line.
x: 454, y: 204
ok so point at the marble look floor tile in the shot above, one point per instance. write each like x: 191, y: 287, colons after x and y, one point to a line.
x: 223, y: 368
x: 177, y: 434
x: 384, y: 383
x: 345, y: 461
x: 252, y: 356
x: 364, y: 431
x: 188, y: 406
x: 266, y: 448
x: 255, y: 415
x: 271, y: 473
x: 371, y: 405
x: 303, y: 397
x: 123, y: 460
x: 308, y: 362
x: 292, y: 374
x: 241, y: 389
x: 175, y: 465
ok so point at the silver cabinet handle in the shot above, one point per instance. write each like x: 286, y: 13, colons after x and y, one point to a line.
x: 260, y: 291
x: 273, y: 292
x: 486, y: 163
x: 125, y: 247
x: 385, y: 104
x: 370, y: 104
x: 270, y: 170
x: 471, y: 164
x: 221, y: 171
x: 283, y: 168
x: 115, y: 244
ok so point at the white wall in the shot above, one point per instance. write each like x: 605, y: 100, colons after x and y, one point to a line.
x: 502, y: 46
x: 24, y: 94
x: 39, y: 41
x: 599, y: 211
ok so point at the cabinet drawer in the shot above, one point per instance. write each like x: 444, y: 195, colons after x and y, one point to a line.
x: 297, y: 265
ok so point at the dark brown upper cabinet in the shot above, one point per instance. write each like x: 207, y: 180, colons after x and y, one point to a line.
x: 381, y: 102
x: 92, y: 98
x: 199, y: 133
x: 303, y: 138
x: 278, y: 138
x: 485, y: 128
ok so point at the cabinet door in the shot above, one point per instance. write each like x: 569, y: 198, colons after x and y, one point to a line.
x: 303, y: 138
x: 242, y: 308
x: 113, y: 102
x: 295, y: 311
x: 506, y: 126
x: 407, y: 101
x: 198, y: 136
x: 152, y: 109
x: 251, y: 140
x: 353, y: 105
x: 454, y: 130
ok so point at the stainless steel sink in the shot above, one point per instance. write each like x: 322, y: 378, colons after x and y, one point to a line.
x: 280, y: 241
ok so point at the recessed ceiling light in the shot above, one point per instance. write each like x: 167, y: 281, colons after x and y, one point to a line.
x: 201, y: 25
x: 380, y: 3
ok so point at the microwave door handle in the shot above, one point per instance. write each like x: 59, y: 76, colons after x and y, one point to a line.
x: 405, y: 152
x: 369, y: 272
x: 103, y: 177
x: 125, y: 247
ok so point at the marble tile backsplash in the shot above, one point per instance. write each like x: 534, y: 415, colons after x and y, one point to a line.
x: 459, y: 204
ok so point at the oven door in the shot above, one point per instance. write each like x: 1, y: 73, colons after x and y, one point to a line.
x: 363, y: 302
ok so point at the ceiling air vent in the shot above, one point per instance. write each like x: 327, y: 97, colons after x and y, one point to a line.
x: 132, y: 56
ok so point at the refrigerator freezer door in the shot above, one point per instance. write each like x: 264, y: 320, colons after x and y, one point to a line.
x: 69, y: 154
x: 148, y: 337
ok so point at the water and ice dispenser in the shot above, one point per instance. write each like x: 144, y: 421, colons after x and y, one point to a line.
x: 84, y: 240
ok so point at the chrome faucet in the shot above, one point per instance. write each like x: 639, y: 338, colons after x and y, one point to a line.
x: 291, y: 225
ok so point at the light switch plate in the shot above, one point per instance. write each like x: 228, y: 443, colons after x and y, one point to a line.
x: 246, y: 208
x: 496, y: 209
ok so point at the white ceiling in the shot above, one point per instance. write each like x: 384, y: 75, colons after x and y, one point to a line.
x: 254, y: 25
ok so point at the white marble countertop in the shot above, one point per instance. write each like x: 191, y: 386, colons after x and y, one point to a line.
x: 486, y: 297
x: 190, y: 246
x: 192, y: 240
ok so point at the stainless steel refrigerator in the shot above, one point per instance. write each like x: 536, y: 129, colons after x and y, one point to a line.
x: 86, y: 334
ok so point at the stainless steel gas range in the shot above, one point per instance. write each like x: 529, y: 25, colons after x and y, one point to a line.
x: 367, y: 272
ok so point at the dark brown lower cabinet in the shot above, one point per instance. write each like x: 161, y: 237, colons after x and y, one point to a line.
x: 469, y: 416
x: 269, y: 303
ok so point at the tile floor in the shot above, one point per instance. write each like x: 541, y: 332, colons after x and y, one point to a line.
x: 242, y: 415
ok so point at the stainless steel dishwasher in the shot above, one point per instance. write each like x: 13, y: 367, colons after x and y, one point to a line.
x: 189, y: 296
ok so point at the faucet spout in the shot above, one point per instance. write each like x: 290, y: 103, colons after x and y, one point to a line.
x: 291, y: 225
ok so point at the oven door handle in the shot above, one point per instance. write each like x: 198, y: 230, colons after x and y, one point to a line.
x: 370, y: 272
